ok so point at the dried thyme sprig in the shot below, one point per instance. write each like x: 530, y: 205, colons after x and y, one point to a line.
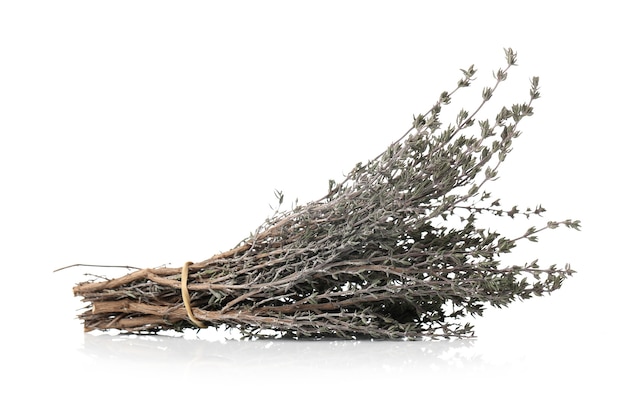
x: 378, y: 256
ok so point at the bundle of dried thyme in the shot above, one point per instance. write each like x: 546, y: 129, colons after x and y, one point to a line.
x: 392, y: 251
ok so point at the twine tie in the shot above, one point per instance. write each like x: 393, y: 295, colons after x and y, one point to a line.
x: 183, y: 288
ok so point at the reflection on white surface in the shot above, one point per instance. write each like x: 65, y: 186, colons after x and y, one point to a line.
x: 108, y: 374
x: 283, y: 355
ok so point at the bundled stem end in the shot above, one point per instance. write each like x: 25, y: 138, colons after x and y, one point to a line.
x: 394, y: 251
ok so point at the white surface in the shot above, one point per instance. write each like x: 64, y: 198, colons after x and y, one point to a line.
x: 145, y: 133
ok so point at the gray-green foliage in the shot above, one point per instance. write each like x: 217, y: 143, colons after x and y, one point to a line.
x: 392, y: 251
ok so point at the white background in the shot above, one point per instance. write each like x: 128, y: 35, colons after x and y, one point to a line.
x: 147, y: 132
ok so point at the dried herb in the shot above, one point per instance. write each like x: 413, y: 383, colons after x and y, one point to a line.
x: 392, y: 251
